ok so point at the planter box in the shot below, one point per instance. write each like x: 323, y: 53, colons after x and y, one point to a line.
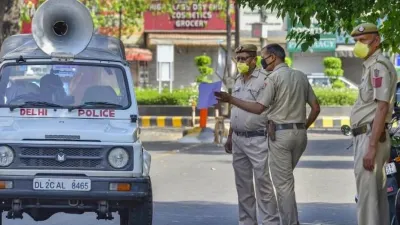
x: 172, y: 110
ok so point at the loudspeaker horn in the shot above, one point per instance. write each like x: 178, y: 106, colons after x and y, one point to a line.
x: 62, y: 26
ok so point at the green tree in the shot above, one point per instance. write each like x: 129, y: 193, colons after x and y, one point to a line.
x: 336, y: 16
x: 333, y: 69
x: 203, y: 64
x: 9, y: 17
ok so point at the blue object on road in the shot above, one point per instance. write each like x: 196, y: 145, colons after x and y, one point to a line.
x: 206, y: 94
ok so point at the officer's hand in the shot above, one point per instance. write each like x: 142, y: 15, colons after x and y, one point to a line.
x: 223, y: 96
x: 369, y: 159
x: 228, y: 145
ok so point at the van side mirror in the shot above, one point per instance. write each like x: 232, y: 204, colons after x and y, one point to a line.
x: 346, y: 130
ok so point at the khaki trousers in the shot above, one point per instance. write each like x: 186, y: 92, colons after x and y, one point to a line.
x: 250, y: 155
x: 372, y: 205
x: 284, y: 154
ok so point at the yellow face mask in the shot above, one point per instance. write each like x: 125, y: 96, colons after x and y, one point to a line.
x: 242, y: 68
x: 361, y: 50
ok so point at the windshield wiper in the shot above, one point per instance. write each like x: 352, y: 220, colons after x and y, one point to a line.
x: 103, y: 104
x: 35, y: 103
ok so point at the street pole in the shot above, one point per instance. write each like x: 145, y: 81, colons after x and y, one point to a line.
x: 228, y: 64
x: 263, y: 19
x: 237, y: 24
x: 120, y: 22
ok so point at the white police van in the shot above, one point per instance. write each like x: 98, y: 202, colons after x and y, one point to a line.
x: 69, y: 133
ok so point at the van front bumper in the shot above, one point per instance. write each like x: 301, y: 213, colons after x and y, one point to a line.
x: 22, y: 188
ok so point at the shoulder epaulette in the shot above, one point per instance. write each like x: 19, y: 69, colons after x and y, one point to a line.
x: 383, y: 60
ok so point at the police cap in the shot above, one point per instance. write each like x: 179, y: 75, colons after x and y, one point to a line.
x: 365, y: 28
x: 246, y: 48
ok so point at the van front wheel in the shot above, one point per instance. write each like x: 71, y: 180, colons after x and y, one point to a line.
x: 140, y: 213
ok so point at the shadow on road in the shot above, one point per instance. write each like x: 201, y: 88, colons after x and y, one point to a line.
x: 207, y: 213
x: 331, y: 147
x: 334, y: 164
x: 314, y: 164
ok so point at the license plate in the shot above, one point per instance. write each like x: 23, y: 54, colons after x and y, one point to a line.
x: 390, y: 168
x: 59, y: 184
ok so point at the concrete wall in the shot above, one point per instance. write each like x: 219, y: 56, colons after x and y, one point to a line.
x: 310, y: 62
x: 352, y: 69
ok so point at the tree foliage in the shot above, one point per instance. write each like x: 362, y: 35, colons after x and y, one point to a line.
x: 337, y: 16
x: 333, y: 69
x: 9, y: 16
x: 105, y: 13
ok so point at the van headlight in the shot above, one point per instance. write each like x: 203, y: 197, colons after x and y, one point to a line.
x: 118, y: 158
x: 6, y: 156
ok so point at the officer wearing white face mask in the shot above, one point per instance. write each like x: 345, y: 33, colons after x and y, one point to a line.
x: 369, y: 117
x: 248, y: 144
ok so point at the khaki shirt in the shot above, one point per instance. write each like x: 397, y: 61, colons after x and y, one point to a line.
x: 286, y: 94
x: 377, y: 83
x: 242, y: 120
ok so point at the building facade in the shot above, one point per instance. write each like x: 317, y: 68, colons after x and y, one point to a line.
x: 273, y: 27
x: 329, y: 45
x: 191, y: 33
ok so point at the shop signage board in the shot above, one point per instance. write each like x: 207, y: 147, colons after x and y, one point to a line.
x: 186, y: 16
x: 341, y: 39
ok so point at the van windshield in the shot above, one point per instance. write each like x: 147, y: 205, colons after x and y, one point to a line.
x: 63, y: 86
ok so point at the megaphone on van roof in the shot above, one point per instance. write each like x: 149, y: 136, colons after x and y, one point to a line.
x: 62, y: 26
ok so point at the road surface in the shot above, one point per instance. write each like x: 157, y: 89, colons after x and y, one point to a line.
x: 194, y: 185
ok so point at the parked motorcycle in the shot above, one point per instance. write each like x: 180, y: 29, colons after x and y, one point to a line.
x: 391, y: 168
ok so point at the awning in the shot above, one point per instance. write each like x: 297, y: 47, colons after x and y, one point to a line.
x: 138, y: 54
x: 198, y: 39
x: 344, y: 51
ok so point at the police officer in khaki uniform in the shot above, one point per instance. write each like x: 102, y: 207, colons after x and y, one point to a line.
x: 371, y: 111
x: 285, y: 95
x: 248, y: 141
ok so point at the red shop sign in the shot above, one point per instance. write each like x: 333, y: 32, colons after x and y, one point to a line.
x: 26, y: 27
x: 186, y: 16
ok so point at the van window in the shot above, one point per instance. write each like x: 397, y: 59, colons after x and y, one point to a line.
x: 64, y: 85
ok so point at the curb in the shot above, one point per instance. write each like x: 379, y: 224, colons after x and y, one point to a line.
x: 325, y: 122
x: 328, y: 122
x: 166, y: 121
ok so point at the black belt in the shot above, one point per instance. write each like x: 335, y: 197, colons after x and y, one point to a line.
x: 288, y: 126
x: 363, y: 129
x: 256, y: 133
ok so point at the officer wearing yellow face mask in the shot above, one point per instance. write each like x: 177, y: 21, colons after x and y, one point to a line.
x: 248, y: 142
x: 369, y: 117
